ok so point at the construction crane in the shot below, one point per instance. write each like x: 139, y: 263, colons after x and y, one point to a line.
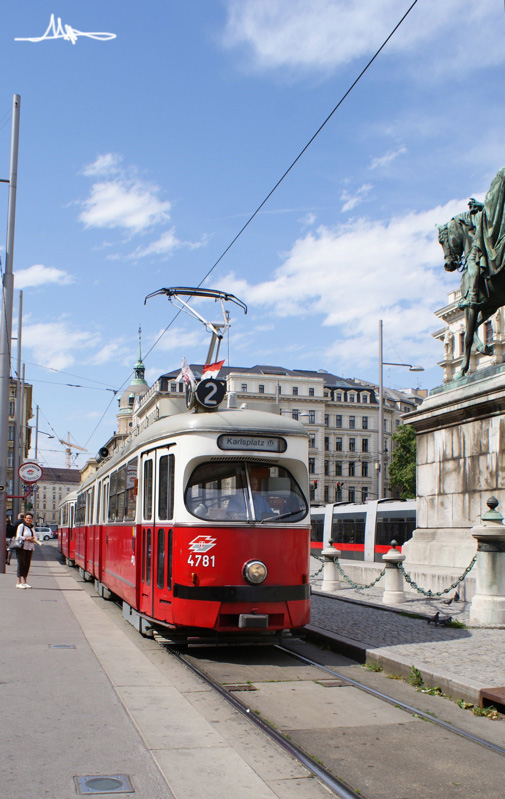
x: 68, y: 452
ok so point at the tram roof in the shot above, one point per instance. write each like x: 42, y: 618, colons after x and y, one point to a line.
x: 226, y: 420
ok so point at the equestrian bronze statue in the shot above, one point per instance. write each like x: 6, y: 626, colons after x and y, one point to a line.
x: 474, y: 244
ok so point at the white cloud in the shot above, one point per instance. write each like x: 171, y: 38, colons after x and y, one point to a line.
x: 327, y: 34
x: 40, y: 275
x: 107, y: 164
x: 355, y: 274
x: 387, y: 158
x: 131, y: 204
x: 352, y: 200
x: 54, y: 344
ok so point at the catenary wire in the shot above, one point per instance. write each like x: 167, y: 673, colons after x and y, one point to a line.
x: 293, y: 163
x: 275, y: 187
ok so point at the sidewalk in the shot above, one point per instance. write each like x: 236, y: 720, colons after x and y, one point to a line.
x: 83, y: 695
x: 462, y: 662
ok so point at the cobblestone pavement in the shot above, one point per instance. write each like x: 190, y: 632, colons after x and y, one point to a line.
x: 471, y: 657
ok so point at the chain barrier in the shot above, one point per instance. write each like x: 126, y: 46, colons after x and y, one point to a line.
x: 430, y: 593
x: 357, y: 585
x: 316, y: 557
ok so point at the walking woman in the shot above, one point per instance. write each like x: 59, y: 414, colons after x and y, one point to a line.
x: 24, y: 555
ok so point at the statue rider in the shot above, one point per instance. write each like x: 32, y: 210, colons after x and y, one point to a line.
x: 475, y: 263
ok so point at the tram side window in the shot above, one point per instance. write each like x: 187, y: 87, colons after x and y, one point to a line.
x: 242, y: 491
x: 121, y: 493
x: 166, y: 487
x: 131, y: 490
x: 349, y: 530
x: 112, y: 497
x: 80, y: 510
x: 316, y: 529
x: 98, y: 495
x: 397, y: 529
x: 148, y: 489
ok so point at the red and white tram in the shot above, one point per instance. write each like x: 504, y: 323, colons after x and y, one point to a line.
x: 200, y: 523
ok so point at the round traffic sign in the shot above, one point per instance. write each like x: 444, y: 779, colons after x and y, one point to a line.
x: 30, y: 472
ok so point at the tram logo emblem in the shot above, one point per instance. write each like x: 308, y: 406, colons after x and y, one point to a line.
x: 202, y: 543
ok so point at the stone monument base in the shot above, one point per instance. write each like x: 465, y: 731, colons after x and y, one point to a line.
x: 460, y: 462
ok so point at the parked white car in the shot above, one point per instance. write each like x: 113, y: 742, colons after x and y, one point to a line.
x: 44, y: 533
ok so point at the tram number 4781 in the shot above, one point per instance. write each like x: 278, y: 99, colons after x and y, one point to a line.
x: 202, y: 560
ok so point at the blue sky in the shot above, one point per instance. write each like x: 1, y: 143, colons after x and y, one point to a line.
x: 142, y: 156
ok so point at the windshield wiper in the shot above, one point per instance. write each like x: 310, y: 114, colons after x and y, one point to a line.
x: 281, y: 516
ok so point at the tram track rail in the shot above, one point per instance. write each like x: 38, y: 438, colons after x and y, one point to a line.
x: 413, y: 711
x: 336, y: 784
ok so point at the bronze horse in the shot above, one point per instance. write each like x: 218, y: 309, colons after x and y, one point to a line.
x: 474, y: 243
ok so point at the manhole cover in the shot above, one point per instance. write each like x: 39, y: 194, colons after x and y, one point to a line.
x: 111, y: 783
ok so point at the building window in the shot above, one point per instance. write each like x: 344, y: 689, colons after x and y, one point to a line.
x: 261, y: 388
x: 327, y: 468
x: 295, y: 391
x: 326, y: 494
x: 311, y: 391
x: 351, y: 397
x: 312, y: 493
x: 326, y: 444
x: 364, y: 494
x: 173, y: 387
x: 364, y: 445
x: 352, y: 422
x: 352, y: 469
x: 312, y: 465
x: 352, y: 494
x: 364, y: 398
x: 339, y: 397
x: 338, y: 493
x: 338, y: 468
x: 11, y: 432
x: 461, y: 343
x: 364, y: 469
x: 338, y: 419
x: 352, y: 445
x: 294, y: 414
x: 244, y: 388
x: 326, y: 420
x: 12, y: 408
x: 364, y: 422
x: 312, y: 442
x: 181, y: 387
x: 312, y: 417
x: 488, y: 334
x: 10, y: 459
x: 338, y: 444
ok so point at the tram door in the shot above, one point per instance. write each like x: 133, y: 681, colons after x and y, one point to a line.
x: 146, y: 534
x: 156, y: 533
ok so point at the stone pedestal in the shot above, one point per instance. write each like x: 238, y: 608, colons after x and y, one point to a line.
x: 460, y: 462
x: 331, y: 581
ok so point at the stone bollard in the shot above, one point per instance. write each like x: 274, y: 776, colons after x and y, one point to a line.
x: 331, y: 581
x: 394, y: 593
x: 488, y: 604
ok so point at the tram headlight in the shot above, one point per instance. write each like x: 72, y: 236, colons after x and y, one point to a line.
x: 255, y: 572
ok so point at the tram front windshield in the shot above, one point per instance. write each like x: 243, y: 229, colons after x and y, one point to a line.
x: 246, y: 492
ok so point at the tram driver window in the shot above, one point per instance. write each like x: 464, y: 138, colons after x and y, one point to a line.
x: 242, y: 491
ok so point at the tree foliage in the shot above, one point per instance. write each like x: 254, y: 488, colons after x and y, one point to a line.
x: 402, y: 471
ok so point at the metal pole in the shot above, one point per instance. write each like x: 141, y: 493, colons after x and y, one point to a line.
x: 381, y: 418
x: 34, y: 494
x: 18, y: 435
x: 6, y: 324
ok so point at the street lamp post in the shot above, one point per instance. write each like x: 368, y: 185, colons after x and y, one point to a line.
x: 383, y: 363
